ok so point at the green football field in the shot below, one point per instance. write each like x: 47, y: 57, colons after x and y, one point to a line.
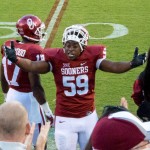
x: 120, y: 25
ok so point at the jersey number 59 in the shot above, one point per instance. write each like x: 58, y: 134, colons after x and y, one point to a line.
x: 78, y: 85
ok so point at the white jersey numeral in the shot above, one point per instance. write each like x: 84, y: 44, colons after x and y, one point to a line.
x: 81, y: 83
x: 40, y: 57
x: 13, y: 81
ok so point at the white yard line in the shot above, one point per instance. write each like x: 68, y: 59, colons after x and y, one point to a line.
x: 52, y: 22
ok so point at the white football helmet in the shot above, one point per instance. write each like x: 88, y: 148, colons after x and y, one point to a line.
x: 76, y: 33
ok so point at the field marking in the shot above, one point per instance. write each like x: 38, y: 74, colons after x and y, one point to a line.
x: 8, y: 23
x: 53, y: 21
x: 119, y: 30
x: 8, y: 26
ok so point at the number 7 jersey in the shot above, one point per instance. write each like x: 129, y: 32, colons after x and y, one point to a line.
x: 17, y: 78
x: 75, y: 80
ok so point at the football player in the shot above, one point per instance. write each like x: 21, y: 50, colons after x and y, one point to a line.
x: 74, y: 67
x: 20, y: 85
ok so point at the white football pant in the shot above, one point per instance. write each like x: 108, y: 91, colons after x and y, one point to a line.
x: 70, y: 131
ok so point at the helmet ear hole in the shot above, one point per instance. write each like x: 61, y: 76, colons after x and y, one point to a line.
x: 76, y: 33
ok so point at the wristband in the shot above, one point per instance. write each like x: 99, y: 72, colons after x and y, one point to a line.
x: 17, y: 60
x: 5, y: 95
x: 133, y: 65
x: 45, y: 107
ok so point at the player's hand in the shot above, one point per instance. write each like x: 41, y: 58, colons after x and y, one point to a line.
x: 10, y: 52
x: 138, y: 59
x: 48, y: 113
x: 50, y: 118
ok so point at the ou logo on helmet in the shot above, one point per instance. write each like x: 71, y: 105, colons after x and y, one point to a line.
x: 118, y: 30
x: 31, y: 24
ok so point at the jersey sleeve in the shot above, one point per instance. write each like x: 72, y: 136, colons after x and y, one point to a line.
x: 100, y: 52
x: 49, y: 54
x: 96, y: 52
x: 34, y: 52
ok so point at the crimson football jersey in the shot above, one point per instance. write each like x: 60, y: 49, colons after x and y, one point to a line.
x: 16, y: 77
x: 75, y: 80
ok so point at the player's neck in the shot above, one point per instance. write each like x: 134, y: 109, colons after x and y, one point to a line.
x: 24, y: 40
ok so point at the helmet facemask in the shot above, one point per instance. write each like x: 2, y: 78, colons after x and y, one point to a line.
x: 76, y: 33
x: 41, y: 32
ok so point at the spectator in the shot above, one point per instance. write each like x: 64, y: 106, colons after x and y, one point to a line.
x: 141, y: 92
x: 74, y: 67
x: 23, y: 86
x: 119, y: 129
x: 15, y: 130
x: 110, y: 110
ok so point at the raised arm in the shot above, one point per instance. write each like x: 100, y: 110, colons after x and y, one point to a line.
x: 26, y: 64
x: 120, y: 67
x: 115, y: 67
x: 33, y: 66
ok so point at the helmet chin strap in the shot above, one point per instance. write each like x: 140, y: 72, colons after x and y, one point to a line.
x: 31, y: 39
x: 81, y: 46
